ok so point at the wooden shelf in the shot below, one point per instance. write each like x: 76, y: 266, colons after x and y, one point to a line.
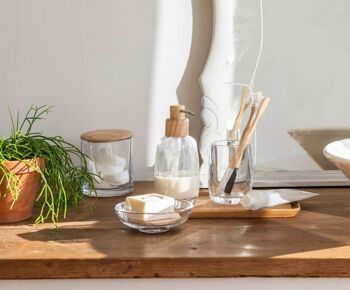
x: 92, y: 243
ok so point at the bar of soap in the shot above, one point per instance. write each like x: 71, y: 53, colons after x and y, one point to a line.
x: 151, y: 207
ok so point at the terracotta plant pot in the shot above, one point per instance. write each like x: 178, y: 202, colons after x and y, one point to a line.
x: 29, y: 185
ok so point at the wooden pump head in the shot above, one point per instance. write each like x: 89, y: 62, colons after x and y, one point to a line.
x: 177, y: 125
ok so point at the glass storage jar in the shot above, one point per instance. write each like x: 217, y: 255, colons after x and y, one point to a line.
x: 109, y: 155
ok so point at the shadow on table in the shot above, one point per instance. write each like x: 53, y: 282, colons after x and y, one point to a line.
x: 339, y: 197
x: 197, y: 238
x: 94, y: 228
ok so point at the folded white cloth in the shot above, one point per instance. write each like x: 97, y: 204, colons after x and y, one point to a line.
x: 117, y: 178
x: 257, y: 199
x: 105, y: 156
x: 110, y: 168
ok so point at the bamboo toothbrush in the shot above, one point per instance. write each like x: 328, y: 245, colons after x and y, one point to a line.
x: 259, y: 106
x: 234, y: 133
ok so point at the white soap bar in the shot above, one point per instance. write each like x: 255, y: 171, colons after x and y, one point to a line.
x: 151, y: 207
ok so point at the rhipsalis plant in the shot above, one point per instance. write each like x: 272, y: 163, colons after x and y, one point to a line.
x: 61, y: 179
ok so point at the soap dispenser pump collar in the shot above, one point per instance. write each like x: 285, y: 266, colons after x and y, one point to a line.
x: 177, y: 125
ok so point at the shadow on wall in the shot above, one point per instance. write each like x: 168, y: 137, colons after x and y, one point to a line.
x: 189, y: 92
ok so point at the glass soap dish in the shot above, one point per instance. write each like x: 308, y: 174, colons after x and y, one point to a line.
x: 155, y: 223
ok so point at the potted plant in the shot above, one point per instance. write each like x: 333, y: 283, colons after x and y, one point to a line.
x: 35, y: 167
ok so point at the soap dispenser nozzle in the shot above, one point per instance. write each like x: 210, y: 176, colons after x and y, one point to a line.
x: 188, y: 112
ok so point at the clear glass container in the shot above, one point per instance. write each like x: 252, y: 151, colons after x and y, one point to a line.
x: 176, y: 169
x: 219, y: 161
x: 109, y: 155
x: 161, y: 222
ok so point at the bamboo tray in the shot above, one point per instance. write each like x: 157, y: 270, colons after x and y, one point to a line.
x: 205, y: 208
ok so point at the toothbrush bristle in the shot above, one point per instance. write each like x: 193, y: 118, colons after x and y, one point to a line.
x: 257, y: 98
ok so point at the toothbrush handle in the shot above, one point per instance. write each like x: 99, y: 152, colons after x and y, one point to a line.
x: 248, y: 132
x: 244, y: 105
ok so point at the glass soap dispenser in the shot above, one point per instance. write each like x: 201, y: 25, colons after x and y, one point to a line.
x: 176, y: 167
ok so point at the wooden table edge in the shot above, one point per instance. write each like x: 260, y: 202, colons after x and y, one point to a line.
x: 173, y: 268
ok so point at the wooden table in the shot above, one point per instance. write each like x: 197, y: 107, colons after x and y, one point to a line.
x: 92, y: 242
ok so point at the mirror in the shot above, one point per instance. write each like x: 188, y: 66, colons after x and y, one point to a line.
x: 304, y: 68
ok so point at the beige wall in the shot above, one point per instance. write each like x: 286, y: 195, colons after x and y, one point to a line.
x: 104, y: 64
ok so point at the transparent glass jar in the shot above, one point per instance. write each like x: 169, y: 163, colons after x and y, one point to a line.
x: 110, y: 158
x: 219, y: 161
x: 176, y: 169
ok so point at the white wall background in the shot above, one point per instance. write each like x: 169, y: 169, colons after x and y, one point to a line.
x: 103, y: 64
x: 121, y: 63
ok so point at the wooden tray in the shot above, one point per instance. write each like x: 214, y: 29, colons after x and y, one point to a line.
x: 205, y: 208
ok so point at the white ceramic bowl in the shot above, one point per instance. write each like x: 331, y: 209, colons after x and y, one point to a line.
x: 338, y: 153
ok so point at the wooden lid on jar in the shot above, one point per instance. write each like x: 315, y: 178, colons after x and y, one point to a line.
x: 106, y: 135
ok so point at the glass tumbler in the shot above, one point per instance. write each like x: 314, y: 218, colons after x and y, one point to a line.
x: 109, y: 155
x: 219, y: 161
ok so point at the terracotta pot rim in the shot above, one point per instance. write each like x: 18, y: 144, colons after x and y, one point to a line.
x: 21, y: 166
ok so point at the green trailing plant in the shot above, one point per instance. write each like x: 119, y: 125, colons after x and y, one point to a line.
x: 61, y: 180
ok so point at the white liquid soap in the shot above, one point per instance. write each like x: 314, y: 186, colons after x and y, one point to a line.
x: 178, y: 187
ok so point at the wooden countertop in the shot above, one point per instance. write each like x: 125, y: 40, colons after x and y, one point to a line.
x: 93, y: 243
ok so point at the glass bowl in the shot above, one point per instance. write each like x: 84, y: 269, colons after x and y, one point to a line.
x: 154, y: 223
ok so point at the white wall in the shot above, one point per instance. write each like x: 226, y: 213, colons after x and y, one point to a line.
x: 120, y: 63
x: 103, y: 64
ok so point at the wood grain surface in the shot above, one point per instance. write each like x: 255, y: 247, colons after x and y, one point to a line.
x: 106, y: 135
x: 206, y: 208
x: 91, y: 242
